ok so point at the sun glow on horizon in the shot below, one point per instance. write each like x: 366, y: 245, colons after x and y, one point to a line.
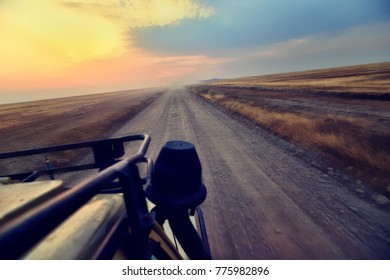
x: 55, y: 44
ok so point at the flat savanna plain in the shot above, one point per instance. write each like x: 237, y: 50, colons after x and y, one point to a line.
x: 66, y: 120
x: 264, y: 201
x: 341, y: 116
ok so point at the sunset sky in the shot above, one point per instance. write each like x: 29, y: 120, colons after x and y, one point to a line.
x: 55, y: 48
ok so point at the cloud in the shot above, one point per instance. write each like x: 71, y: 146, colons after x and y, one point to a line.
x: 368, y: 40
x: 358, y: 45
x: 46, y: 42
x: 282, y: 49
x: 43, y: 36
x: 239, y: 25
x: 117, y: 43
x: 47, y: 35
x: 143, y: 13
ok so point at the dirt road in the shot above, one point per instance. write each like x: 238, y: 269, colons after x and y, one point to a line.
x: 263, y: 201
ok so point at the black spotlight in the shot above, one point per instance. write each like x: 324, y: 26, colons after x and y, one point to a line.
x: 177, y: 177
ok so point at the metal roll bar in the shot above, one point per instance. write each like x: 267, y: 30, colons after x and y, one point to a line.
x: 20, y: 234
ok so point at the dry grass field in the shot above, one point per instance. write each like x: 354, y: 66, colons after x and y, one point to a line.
x: 66, y: 120
x: 368, y: 80
x: 341, y: 114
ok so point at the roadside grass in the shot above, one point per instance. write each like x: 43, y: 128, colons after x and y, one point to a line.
x: 351, y: 143
x: 372, y: 79
x: 62, y: 121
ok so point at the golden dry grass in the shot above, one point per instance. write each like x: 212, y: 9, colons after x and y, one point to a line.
x: 368, y: 79
x: 352, y: 134
x: 319, y: 132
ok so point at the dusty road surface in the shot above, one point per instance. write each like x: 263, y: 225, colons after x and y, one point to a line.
x: 263, y: 202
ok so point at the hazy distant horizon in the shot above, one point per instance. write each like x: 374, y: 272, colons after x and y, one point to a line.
x: 63, y: 93
x: 31, y: 97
